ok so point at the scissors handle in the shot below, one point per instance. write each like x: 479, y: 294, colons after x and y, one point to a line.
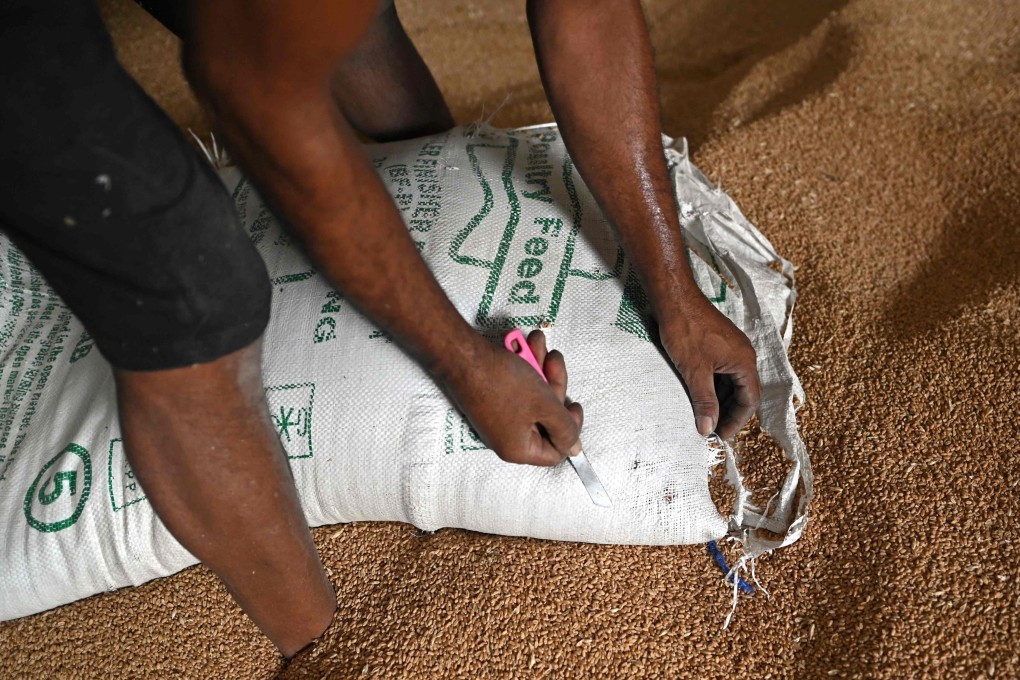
x: 518, y: 344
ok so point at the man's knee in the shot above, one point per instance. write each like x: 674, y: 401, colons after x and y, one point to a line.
x: 208, y: 291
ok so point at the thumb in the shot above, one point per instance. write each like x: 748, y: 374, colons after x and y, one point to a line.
x: 563, y: 427
x: 701, y: 386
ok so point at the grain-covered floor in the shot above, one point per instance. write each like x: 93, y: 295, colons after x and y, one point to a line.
x: 877, y: 145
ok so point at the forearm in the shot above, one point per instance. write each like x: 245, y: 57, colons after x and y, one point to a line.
x: 287, y: 132
x: 334, y: 201
x: 596, y: 64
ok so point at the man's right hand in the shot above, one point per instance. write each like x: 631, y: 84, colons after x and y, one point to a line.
x: 513, y: 410
x: 269, y: 91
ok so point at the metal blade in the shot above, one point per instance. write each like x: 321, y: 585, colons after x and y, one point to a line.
x: 590, y: 480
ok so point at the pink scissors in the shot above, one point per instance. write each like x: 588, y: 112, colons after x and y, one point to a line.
x: 516, y: 343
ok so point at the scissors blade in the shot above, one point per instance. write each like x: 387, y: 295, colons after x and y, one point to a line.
x: 518, y: 344
x: 591, y: 481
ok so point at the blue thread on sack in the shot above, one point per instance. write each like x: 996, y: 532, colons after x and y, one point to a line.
x: 713, y: 548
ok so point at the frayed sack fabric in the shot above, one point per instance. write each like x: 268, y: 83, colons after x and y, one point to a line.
x: 506, y: 224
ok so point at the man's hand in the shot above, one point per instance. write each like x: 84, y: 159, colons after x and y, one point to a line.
x: 718, y: 365
x: 595, y: 58
x: 513, y: 410
x: 309, y: 166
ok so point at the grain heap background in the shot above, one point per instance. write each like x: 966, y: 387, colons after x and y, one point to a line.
x: 876, y: 144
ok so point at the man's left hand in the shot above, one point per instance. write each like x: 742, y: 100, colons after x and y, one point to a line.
x: 710, y: 351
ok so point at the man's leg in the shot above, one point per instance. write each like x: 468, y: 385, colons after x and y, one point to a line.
x: 385, y: 89
x: 202, y: 444
x: 140, y: 239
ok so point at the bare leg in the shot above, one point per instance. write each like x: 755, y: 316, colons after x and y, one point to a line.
x: 202, y: 444
x: 385, y: 89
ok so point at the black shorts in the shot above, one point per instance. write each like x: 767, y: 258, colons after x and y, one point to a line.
x: 108, y: 200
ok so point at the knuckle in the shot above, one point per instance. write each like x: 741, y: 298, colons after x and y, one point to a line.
x: 705, y: 405
x: 547, y: 458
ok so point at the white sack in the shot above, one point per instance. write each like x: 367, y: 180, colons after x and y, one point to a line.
x: 368, y: 435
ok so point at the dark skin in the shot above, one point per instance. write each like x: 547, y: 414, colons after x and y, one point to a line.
x: 626, y: 172
x: 201, y: 442
x: 290, y: 85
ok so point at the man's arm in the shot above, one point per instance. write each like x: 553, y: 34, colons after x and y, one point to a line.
x: 264, y: 71
x: 596, y: 63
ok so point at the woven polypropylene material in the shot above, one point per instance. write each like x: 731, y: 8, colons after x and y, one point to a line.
x: 510, y: 231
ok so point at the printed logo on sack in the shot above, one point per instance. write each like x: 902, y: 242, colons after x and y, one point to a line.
x: 533, y: 261
x: 274, y: 244
x: 529, y: 270
x: 325, y: 329
x: 58, y: 494
x: 417, y: 189
x: 83, y: 347
x: 290, y: 407
x: 459, y: 436
x: 635, y: 313
x: 124, y: 488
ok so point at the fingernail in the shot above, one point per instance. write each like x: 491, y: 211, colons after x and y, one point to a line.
x: 704, y: 424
